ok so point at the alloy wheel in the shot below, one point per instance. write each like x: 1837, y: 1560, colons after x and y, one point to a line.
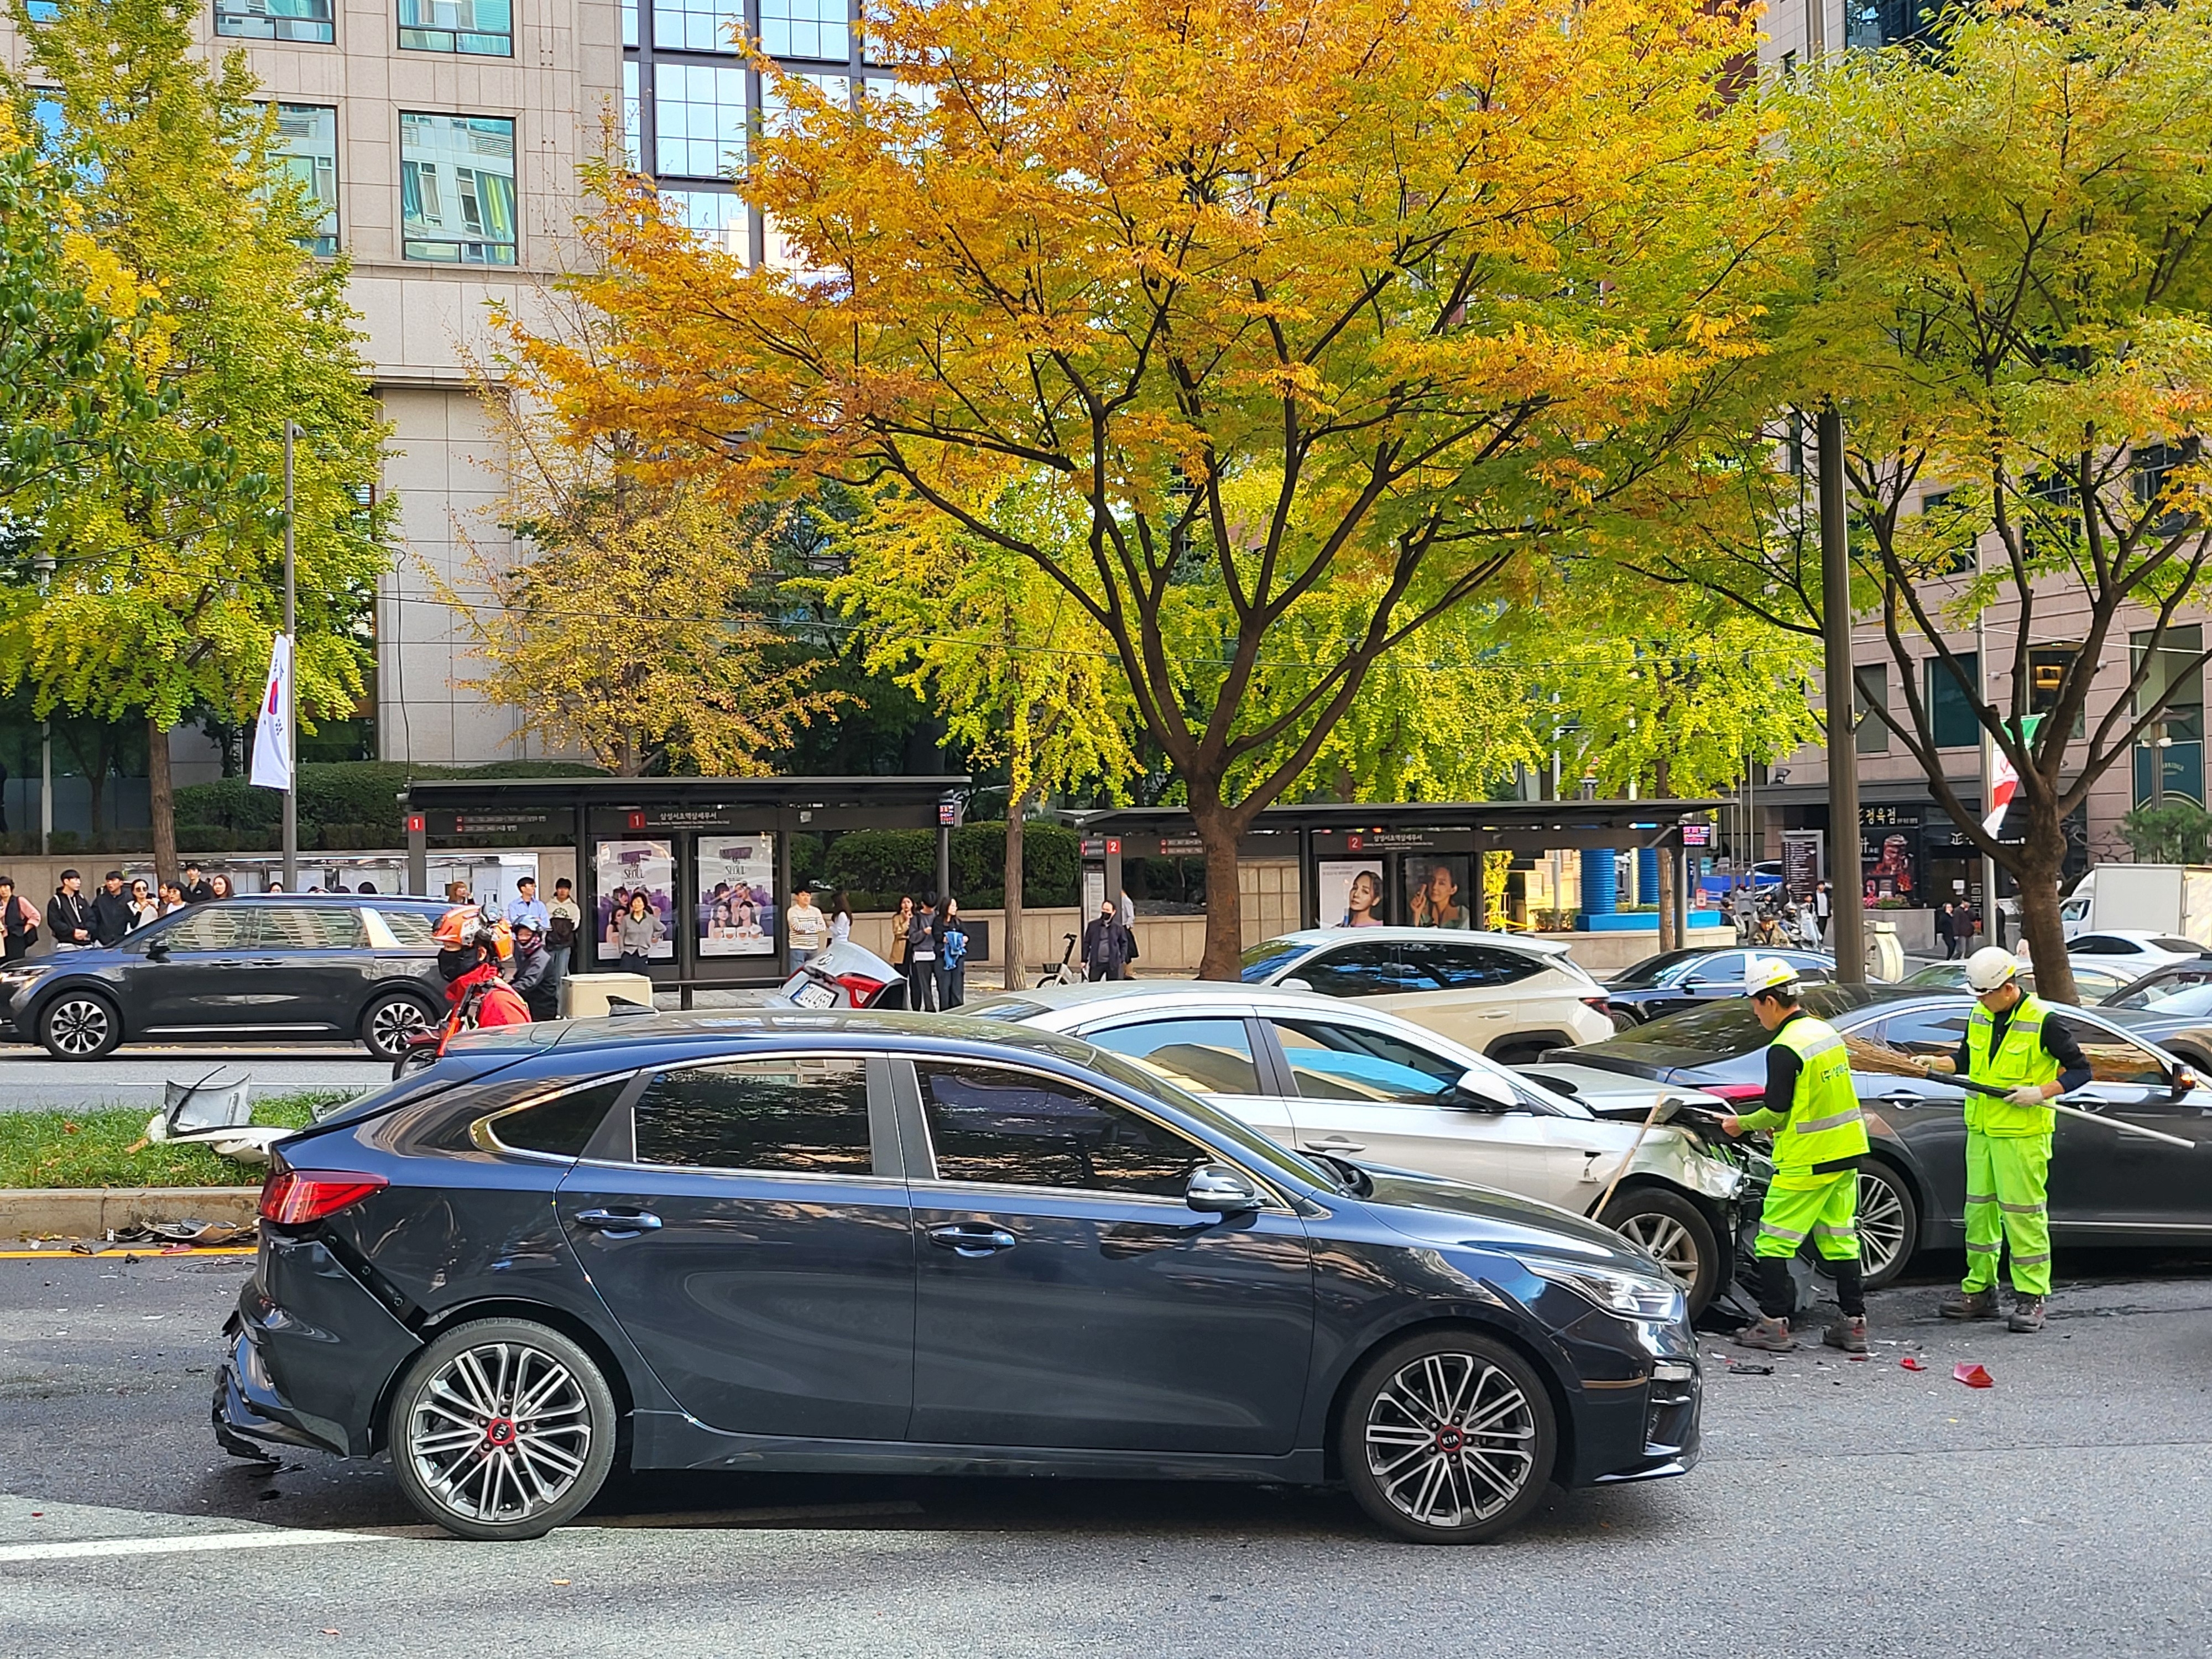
x: 500, y: 1432
x: 1668, y: 1240
x: 1881, y: 1224
x: 1450, y: 1440
x: 391, y: 1023
x: 79, y: 1026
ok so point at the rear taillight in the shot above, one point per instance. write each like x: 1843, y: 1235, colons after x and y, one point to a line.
x: 1599, y: 1004
x: 293, y: 1198
x: 1733, y: 1092
x: 859, y: 989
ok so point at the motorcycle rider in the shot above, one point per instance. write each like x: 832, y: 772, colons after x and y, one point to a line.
x: 475, y: 995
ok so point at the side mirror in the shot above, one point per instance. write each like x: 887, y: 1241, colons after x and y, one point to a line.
x: 1217, y: 1189
x: 157, y: 950
x: 2182, y: 1081
x: 1475, y: 1093
x: 1293, y: 985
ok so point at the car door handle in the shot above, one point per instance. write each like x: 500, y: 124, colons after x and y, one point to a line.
x: 619, y: 1224
x: 1492, y: 1013
x: 1903, y: 1099
x: 970, y: 1239
x: 1334, y: 1144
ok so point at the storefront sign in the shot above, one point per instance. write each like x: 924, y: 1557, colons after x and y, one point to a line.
x: 1697, y: 835
x: 1801, y: 862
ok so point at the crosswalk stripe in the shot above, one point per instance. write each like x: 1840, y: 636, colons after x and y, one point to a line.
x: 183, y: 1544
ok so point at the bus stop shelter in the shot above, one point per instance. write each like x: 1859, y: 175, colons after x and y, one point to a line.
x: 711, y: 855
x: 1400, y: 844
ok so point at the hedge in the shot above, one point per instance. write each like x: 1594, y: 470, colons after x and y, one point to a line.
x: 876, y: 867
x: 344, y: 804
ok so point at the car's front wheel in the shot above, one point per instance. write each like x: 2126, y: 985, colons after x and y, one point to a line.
x: 80, y: 1025
x: 501, y: 1428
x: 390, y: 1020
x: 1448, y: 1437
x: 1676, y: 1232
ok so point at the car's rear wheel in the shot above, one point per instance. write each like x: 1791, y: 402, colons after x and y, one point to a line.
x: 1889, y: 1226
x: 1448, y: 1437
x: 80, y: 1025
x: 392, y: 1019
x: 501, y: 1428
x: 1676, y: 1230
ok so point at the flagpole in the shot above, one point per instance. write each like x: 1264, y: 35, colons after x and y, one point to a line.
x: 1990, y: 918
x: 291, y: 691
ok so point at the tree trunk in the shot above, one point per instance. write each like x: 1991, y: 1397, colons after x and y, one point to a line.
x: 1010, y: 922
x: 2035, y: 867
x: 162, y: 799
x: 1218, y: 832
x: 1670, y: 916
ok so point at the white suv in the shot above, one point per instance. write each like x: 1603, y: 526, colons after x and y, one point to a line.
x: 1510, y: 999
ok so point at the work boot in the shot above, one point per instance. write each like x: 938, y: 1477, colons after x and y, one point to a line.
x: 1970, y: 1304
x: 2026, y: 1314
x: 1771, y: 1335
x: 1848, y: 1332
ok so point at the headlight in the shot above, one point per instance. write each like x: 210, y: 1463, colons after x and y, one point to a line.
x: 14, y: 979
x: 1624, y: 1295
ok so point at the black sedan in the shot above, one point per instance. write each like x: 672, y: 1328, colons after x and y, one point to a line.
x: 893, y: 1243
x: 2106, y: 1187
x: 1675, y: 979
x: 290, y: 967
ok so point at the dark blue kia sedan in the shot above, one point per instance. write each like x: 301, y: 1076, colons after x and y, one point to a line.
x: 889, y: 1243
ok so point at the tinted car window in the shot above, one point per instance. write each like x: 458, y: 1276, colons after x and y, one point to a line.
x: 1925, y: 1030
x: 2186, y: 999
x: 307, y: 928
x: 1726, y: 969
x: 1343, y: 1062
x: 211, y: 928
x: 2164, y: 942
x: 2104, y: 945
x: 800, y: 1115
x: 1261, y: 960
x: 1435, y: 964
x: 1207, y: 1056
x: 562, y: 1125
x: 409, y: 927
x: 1369, y: 969
x: 1654, y: 970
x: 2114, y: 1059
x: 1019, y: 1129
x: 1721, y: 1030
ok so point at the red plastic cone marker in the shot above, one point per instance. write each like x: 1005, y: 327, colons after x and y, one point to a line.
x: 1974, y: 1376
x: 1911, y: 1364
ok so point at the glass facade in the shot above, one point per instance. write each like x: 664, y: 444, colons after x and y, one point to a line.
x: 308, y: 143
x: 457, y: 195
x: 820, y: 29
x: 837, y: 88
x: 484, y: 28
x: 716, y: 217
x: 698, y: 120
x: 631, y: 119
x: 308, y: 21
x: 696, y: 26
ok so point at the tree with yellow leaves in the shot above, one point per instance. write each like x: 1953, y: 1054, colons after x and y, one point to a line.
x: 1442, y: 276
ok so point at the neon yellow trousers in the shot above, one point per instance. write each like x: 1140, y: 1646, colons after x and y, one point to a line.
x: 1826, y: 1212
x: 2007, y: 1197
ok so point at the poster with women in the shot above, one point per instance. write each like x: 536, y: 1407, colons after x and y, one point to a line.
x: 737, y: 906
x: 621, y: 868
x: 1436, y: 890
x: 1350, y: 892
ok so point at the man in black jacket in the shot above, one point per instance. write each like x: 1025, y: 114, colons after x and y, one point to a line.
x: 1106, y: 945
x: 196, y: 889
x: 533, y: 982
x: 69, y: 915
x: 112, y: 914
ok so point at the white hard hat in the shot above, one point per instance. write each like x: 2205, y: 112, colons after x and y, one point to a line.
x: 1763, y: 975
x: 1988, y: 968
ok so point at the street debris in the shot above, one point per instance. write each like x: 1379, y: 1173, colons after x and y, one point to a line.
x: 1912, y: 1363
x: 1744, y: 1367
x: 1973, y: 1375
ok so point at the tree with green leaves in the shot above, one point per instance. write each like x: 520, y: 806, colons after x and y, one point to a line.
x: 168, y: 553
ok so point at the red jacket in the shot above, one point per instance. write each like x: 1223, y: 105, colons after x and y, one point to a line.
x: 498, y: 1005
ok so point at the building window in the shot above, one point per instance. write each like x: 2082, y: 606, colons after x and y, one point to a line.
x: 1872, y: 687
x: 837, y: 88
x: 806, y: 28
x: 2046, y: 672
x: 698, y: 120
x: 457, y: 203
x: 308, y: 151
x: 1951, y: 722
x: 633, y: 144
x: 696, y: 26
x: 630, y: 22
x: 307, y: 20
x: 716, y: 217
x: 483, y: 28
x: 2169, y: 758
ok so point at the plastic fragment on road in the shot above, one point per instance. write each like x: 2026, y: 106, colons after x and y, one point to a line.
x: 1738, y: 1368
x: 1974, y: 1376
x: 1912, y: 1364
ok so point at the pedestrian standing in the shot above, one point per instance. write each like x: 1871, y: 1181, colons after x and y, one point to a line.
x: 1823, y: 902
x: 111, y: 913
x: 951, y: 956
x: 902, y: 926
x: 172, y: 898
x: 69, y: 915
x: 637, y: 930
x: 1105, y: 945
x: 195, y: 888
x: 922, y: 957
x: 564, y: 920
x: 144, y: 907
x: 1946, y: 930
x: 19, y: 921
x: 840, y: 918
x: 1819, y: 1138
x: 2011, y: 1043
x: 525, y: 906
x: 219, y: 886
x: 806, y: 928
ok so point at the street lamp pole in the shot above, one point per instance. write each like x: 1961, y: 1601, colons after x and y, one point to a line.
x: 1847, y: 910
x: 43, y: 563
x: 291, y: 687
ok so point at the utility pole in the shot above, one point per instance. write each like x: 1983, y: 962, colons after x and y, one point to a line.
x: 291, y: 686
x: 1848, y: 911
x: 43, y: 564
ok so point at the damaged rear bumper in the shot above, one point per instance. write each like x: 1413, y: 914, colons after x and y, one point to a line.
x: 248, y: 1414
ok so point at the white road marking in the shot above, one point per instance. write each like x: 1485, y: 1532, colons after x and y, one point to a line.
x: 188, y: 1543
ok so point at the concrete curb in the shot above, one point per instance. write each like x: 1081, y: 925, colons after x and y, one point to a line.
x: 89, y: 1211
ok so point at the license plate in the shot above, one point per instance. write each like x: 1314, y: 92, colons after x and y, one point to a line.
x: 816, y: 996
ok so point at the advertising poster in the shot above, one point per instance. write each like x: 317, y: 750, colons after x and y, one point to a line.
x: 1350, y: 892
x: 737, y: 910
x: 1801, y: 862
x: 623, y: 868
x: 1437, y: 893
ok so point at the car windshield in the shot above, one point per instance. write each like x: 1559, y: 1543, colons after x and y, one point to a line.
x: 1718, y: 1030
x: 2174, y: 1001
x: 1278, y: 1161
x: 1654, y: 970
x: 1268, y: 957
x: 1946, y: 976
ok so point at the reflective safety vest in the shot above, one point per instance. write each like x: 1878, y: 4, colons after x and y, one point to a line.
x: 2020, y: 1058
x: 1824, y: 1112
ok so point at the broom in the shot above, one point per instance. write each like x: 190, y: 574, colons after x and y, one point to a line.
x: 1868, y: 1055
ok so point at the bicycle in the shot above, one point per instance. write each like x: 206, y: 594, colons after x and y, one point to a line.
x: 1062, y: 972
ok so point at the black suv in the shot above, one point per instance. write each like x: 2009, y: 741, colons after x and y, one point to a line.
x: 283, y: 967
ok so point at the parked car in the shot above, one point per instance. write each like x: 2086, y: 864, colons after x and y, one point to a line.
x: 897, y: 1243
x: 1355, y: 1081
x: 843, y: 976
x: 2105, y: 1188
x: 1675, y: 979
x: 2092, y: 981
x: 2177, y: 987
x: 1505, y: 996
x: 2131, y: 951
x: 287, y: 967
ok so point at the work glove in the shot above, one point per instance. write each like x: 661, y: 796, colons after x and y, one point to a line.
x: 2028, y: 1094
x: 1937, y: 1065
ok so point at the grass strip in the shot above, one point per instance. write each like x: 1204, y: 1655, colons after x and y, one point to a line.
x: 109, y: 1148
